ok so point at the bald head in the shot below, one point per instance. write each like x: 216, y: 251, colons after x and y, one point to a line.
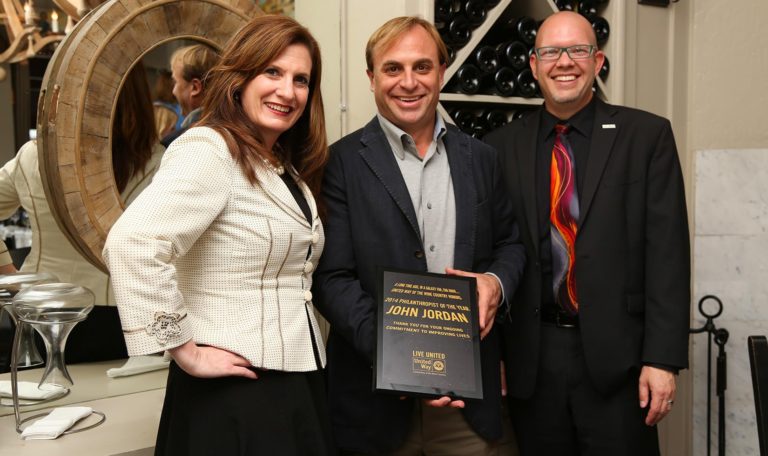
x: 566, y: 83
x: 567, y: 22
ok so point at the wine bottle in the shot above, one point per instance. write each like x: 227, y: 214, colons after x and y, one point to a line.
x: 520, y: 113
x: 564, y: 5
x: 491, y: 3
x: 463, y: 118
x: 444, y: 11
x: 480, y: 127
x: 468, y: 79
x: 514, y: 54
x: 474, y: 10
x: 459, y: 31
x: 504, y: 82
x: 524, y: 28
x: 588, y: 9
x: 442, y: 29
x: 526, y: 84
x: 496, y: 118
x: 605, y: 69
x: 601, y: 28
x: 451, y: 55
x: 486, y: 59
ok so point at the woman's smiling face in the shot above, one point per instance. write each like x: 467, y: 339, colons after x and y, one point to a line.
x: 275, y: 99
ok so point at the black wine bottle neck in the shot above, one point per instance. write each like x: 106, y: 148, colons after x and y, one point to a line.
x: 514, y: 54
x: 444, y: 11
x: 588, y: 9
x: 602, y: 29
x: 524, y: 28
x: 463, y: 118
x: 486, y: 59
x: 468, y: 79
x: 480, y: 127
x: 526, y: 84
x: 458, y: 31
x: 604, y: 69
x: 475, y: 11
x: 496, y: 118
x: 504, y: 82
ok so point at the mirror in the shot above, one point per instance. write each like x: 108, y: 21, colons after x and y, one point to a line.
x: 77, y: 103
x: 146, y: 112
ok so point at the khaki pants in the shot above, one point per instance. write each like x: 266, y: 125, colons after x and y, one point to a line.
x: 444, y: 432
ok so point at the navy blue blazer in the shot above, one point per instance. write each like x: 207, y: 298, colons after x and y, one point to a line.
x: 371, y: 222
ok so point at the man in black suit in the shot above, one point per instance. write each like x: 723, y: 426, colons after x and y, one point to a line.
x: 599, y: 324
x: 408, y: 191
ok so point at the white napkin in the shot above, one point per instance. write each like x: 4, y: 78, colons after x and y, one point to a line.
x: 139, y: 365
x: 55, y: 423
x: 29, y: 390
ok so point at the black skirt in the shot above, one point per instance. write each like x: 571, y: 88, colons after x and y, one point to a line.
x: 280, y: 413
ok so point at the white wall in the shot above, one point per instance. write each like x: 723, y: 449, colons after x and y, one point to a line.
x: 728, y: 99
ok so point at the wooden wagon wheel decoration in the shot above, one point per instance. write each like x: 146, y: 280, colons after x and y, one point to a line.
x: 79, y: 95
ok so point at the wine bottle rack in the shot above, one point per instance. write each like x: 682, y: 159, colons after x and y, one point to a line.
x: 449, y: 99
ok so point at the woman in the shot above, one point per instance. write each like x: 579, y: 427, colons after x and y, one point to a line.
x: 135, y: 156
x: 136, y: 152
x: 165, y: 120
x: 213, y: 261
x: 163, y: 98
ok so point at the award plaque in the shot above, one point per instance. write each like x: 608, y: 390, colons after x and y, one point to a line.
x: 428, y: 336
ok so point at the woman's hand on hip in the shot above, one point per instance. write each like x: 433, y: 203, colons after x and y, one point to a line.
x: 210, y: 362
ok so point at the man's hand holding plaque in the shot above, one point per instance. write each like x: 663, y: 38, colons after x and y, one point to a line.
x: 488, y: 297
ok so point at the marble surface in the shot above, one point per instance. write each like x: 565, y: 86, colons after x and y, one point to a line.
x: 730, y: 261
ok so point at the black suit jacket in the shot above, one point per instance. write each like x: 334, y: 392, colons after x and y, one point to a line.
x: 632, y: 249
x: 371, y: 222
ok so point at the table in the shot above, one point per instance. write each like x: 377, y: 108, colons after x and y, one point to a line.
x: 132, y: 406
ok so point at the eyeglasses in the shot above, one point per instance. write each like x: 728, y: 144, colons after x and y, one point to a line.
x: 576, y: 52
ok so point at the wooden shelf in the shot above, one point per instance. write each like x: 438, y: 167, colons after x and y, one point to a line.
x: 490, y: 99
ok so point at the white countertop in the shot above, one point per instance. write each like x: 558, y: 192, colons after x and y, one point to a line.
x: 132, y: 406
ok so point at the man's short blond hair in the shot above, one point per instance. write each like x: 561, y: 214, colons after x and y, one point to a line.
x: 196, y: 60
x: 393, y: 29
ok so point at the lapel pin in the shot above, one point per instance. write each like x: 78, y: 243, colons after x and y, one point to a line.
x: 606, y: 126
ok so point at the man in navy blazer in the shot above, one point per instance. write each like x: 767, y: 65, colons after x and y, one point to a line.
x: 408, y: 191
x: 596, y: 380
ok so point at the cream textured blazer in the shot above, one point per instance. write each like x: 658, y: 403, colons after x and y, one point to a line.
x: 202, y: 254
x: 21, y: 186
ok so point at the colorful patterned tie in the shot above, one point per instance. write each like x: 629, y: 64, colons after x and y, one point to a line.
x: 563, y: 217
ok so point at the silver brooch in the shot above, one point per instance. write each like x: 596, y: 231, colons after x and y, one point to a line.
x: 165, y: 326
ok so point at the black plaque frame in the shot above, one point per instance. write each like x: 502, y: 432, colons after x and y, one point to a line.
x: 439, y: 359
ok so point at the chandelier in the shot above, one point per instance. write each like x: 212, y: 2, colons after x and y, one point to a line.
x: 24, y: 34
